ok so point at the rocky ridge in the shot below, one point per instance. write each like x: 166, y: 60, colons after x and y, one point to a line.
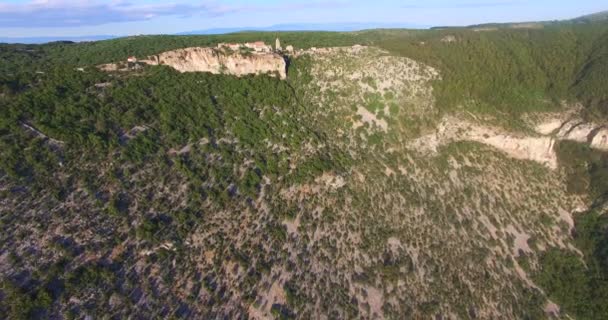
x: 199, y: 59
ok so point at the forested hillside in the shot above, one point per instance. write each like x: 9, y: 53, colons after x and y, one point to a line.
x: 151, y: 193
x: 510, y: 71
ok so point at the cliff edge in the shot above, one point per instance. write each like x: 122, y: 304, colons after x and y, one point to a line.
x: 199, y: 59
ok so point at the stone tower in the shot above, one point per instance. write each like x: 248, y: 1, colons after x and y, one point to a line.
x: 278, y: 45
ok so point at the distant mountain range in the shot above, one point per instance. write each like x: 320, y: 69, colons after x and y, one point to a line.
x: 591, y: 18
x: 600, y: 16
x: 37, y: 40
x: 340, y: 27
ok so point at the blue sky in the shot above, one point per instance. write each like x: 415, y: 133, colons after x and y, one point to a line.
x: 29, y: 18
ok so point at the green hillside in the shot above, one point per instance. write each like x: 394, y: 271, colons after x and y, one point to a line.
x: 151, y: 193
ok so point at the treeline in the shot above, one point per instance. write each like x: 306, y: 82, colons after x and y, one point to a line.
x: 88, y: 53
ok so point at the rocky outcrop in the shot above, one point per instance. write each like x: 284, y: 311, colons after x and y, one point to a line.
x: 109, y: 67
x: 198, y: 59
x: 569, y: 126
x: 584, y: 132
x: 539, y: 148
x: 449, y: 38
x: 600, y: 139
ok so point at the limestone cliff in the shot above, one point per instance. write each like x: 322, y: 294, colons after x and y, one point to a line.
x: 452, y: 129
x: 578, y: 130
x: 198, y: 59
x: 537, y: 148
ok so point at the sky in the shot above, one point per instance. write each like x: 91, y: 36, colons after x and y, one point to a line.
x: 36, y: 18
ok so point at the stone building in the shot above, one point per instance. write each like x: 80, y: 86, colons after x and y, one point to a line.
x: 258, y: 46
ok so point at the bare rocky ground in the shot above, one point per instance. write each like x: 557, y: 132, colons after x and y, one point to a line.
x: 429, y: 219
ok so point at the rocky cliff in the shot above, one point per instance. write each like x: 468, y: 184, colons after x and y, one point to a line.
x: 537, y: 148
x: 451, y: 129
x: 578, y: 130
x: 198, y: 59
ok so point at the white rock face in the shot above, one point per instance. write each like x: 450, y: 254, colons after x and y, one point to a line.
x: 549, y: 126
x: 576, y: 130
x: 534, y: 148
x: 600, y: 140
x: 528, y: 148
x: 449, y: 38
x: 538, y: 149
x: 198, y: 59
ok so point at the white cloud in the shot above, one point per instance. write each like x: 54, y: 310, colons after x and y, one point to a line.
x: 66, y: 13
x: 441, y: 4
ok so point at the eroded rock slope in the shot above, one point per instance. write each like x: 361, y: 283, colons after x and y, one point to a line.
x: 213, y: 60
x: 198, y: 59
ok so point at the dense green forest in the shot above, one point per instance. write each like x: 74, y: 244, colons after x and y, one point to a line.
x: 511, y: 71
x: 580, y: 286
x: 63, y: 131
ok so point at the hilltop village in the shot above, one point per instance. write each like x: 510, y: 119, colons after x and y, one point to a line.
x: 257, y: 46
